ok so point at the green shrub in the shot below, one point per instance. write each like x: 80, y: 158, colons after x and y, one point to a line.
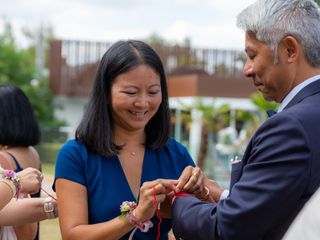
x: 48, y: 151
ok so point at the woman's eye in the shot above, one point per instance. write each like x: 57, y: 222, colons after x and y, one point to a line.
x: 129, y: 93
x: 153, y: 92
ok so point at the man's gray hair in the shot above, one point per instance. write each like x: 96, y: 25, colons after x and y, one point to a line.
x: 272, y: 20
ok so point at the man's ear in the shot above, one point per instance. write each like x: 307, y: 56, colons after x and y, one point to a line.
x: 292, y: 48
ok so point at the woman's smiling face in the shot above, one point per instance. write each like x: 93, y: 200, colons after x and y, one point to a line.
x: 135, y: 98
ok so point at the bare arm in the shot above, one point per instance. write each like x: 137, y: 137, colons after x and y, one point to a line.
x: 6, y: 195
x: 73, y: 215
x: 30, y: 183
x: 26, y: 231
x: 22, y: 211
x: 73, y: 211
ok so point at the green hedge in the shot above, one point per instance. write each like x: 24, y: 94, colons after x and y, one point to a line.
x: 48, y: 151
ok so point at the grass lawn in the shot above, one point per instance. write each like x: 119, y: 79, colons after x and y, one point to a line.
x: 49, y: 230
x: 48, y: 169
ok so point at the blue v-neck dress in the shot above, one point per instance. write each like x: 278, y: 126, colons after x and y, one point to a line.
x: 106, y: 182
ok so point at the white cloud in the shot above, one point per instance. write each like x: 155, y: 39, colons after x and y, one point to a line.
x: 209, y: 23
x: 208, y: 35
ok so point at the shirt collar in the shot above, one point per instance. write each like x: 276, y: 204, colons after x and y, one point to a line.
x: 295, y: 91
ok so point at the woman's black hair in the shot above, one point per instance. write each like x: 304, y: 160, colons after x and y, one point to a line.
x: 18, y: 124
x: 95, y: 128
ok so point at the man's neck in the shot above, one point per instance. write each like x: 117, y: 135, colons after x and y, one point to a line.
x: 293, y: 92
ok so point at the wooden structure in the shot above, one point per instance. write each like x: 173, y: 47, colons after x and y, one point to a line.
x: 190, y: 71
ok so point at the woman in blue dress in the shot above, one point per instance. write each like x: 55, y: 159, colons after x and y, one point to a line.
x: 123, y: 152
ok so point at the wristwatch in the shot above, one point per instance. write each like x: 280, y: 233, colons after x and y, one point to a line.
x: 48, y: 207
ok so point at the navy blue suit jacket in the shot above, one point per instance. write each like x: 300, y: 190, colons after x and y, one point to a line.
x: 279, y: 172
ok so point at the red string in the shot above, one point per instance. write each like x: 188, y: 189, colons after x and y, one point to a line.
x: 157, y: 212
x: 182, y: 193
x: 48, y: 194
x: 179, y: 194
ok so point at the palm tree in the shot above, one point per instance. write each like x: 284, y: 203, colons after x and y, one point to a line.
x: 263, y: 105
x: 212, y: 116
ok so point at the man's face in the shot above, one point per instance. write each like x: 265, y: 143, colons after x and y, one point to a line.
x: 270, y: 78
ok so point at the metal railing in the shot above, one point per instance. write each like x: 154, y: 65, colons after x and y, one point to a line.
x: 73, y: 64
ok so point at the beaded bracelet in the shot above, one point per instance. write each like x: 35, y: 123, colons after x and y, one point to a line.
x: 10, y: 178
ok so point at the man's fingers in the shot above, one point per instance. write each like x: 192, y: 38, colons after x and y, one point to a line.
x: 184, y: 178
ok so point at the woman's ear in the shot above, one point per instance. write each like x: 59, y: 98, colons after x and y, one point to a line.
x: 292, y: 48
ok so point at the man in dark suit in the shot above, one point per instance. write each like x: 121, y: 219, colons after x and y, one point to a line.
x: 280, y: 168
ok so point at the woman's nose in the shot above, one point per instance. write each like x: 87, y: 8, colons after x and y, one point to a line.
x: 141, y: 101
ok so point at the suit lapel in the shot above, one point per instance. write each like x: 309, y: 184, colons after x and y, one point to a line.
x: 237, y: 169
x: 307, y: 91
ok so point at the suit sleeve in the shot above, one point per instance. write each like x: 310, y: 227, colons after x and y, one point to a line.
x: 275, y: 173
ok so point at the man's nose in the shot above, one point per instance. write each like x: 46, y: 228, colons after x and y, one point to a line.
x: 247, y: 69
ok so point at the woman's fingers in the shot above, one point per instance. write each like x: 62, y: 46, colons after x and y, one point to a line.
x: 30, y: 180
x: 152, y: 194
x: 161, y: 185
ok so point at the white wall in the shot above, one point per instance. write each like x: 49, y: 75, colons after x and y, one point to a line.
x: 71, y: 111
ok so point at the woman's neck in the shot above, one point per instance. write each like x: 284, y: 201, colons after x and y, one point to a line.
x: 128, y: 138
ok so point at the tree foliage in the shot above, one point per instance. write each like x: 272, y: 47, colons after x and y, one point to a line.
x: 263, y: 105
x: 17, y: 66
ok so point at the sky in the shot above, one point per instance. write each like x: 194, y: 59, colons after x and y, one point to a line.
x: 208, y: 23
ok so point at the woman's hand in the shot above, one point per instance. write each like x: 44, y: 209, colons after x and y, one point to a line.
x: 165, y: 207
x: 30, y: 180
x: 151, y: 195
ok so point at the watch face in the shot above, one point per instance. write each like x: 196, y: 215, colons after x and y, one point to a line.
x: 48, y: 207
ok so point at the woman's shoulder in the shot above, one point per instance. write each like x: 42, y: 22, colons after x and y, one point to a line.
x: 21, y: 157
x: 70, y: 147
x: 4, y: 162
x: 74, y: 148
x: 35, y: 157
x: 73, y: 144
x: 175, y: 147
x: 173, y: 143
x: 178, y: 151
